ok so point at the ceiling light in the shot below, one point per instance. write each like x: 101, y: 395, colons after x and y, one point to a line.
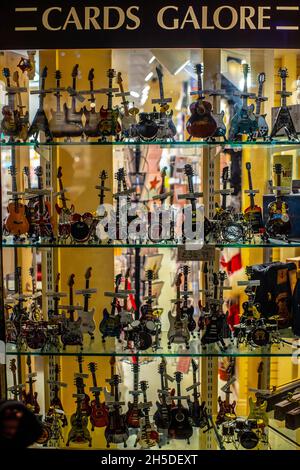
x: 135, y: 94
x: 181, y: 67
x: 150, y: 75
x: 152, y: 59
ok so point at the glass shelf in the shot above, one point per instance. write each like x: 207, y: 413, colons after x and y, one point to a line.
x: 113, y: 348
x: 193, y: 143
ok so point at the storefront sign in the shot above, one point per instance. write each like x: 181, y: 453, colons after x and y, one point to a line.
x: 137, y: 23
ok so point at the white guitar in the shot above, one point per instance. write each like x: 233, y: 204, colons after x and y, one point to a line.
x: 86, y: 316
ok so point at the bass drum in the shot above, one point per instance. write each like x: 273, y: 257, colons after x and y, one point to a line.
x: 45, y: 436
x: 232, y: 232
x: 142, y: 340
x: 80, y: 231
x: 259, y: 337
x: 248, y: 439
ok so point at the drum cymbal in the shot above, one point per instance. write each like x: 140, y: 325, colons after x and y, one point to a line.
x: 274, y: 317
x: 230, y: 417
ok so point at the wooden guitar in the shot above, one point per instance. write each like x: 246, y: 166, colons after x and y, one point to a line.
x: 186, y: 309
x: 178, y: 331
x: 116, y: 431
x: 244, y: 120
x: 201, y: 123
x: 263, y: 128
x: 73, y: 118
x: 278, y: 223
x: 110, y: 324
x: 198, y: 412
x: 147, y: 436
x: 258, y: 408
x: 64, y: 213
x: 79, y: 432
x: 42, y: 210
x: 10, y: 120
x: 23, y: 118
x: 40, y: 121
x: 128, y: 117
x: 92, y: 117
x: 99, y: 412
x: 86, y: 315
x: 180, y: 421
x: 30, y: 397
x: 253, y: 213
x: 71, y: 332
x: 16, y: 222
x: 284, y: 119
x: 55, y: 403
x: 134, y: 413
x: 109, y: 124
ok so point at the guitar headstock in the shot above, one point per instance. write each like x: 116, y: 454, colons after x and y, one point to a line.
x: 80, y: 360
x: 215, y: 279
x: 188, y: 170
x: 162, y: 368
x: 194, y: 365
x: 222, y: 276
x: 119, y: 78
x: 75, y: 71
x: 18, y: 272
x: 186, y: 270
x: 178, y: 279
x: 248, y: 166
x: 26, y: 171
x: 79, y: 384
x: 13, y: 366
x: 57, y: 370
x: 205, y: 268
x: 88, y: 273
x: 44, y: 72
x: 283, y: 72
x: 144, y: 385
x: 278, y: 168
x: 225, y: 174
x: 12, y: 170
x: 103, y: 176
x: 92, y: 367
x: 57, y: 279
x: 111, y: 73
x: 6, y: 72
x: 159, y: 73
x: 59, y: 172
x: 16, y: 77
x: 71, y: 280
x: 38, y: 171
x: 246, y: 70
x: 28, y: 360
x: 261, y: 78
x: 116, y: 380
x: 31, y: 272
x: 57, y: 75
x: 150, y: 275
x: 112, y: 361
x: 118, y: 281
x: 164, y: 172
x: 178, y: 377
x: 249, y: 272
x: 91, y: 75
x: 199, y: 69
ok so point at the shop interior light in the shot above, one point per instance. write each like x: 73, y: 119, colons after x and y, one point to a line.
x: 181, y: 67
x: 150, y: 75
x: 152, y: 59
x: 135, y: 94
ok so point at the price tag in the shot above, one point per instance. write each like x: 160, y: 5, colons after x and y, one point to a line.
x: 206, y: 253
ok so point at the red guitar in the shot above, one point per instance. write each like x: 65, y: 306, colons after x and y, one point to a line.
x: 99, y: 413
x: 134, y: 412
x: 30, y: 398
x: 227, y: 409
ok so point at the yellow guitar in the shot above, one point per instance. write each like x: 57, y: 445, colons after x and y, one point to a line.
x: 258, y: 408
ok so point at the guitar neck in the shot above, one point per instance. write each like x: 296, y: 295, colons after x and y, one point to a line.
x: 74, y: 97
x: 259, y: 95
x: 86, y: 297
x: 252, y: 203
x: 135, y: 385
x: 109, y: 100
x: 278, y: 184
x: 61, y: 190
x: 71, y: 311
x: 42, y: 95
x: 124, y: 102
x: 283, y: 98
x: 58, y: 96
x: 179, y: 394
x: 161, y: 88
x: 195, y: 392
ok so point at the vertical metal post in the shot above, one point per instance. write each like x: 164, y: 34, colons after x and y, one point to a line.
x: 137, y: 281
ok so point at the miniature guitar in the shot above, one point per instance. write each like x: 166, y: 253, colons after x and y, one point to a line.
x: 110, y: 325
x: 167, y: 129
x: 40, y: 121
x: 30, y: 397
x: 101, y: 231
x: 99, y: 412
x: 85, y: 404
x: 150, y: 323
x: 244, y: 121
x: 19, y: 313
x: 198, y: 412
x: 73, y: 118
x: 284, y: 119
x: 71, y: 330
x: 180, y: 421
x: 278, y: 223
x: 178, y: 331
x: 92, y: 117
x: 64, y: 213
x: 42, y: 209
x: 16, y: 389
x: 16, y: 222
x: 116, y: 431
x: 79, y: 433
x: 23, y: 118
x: 253, y: 213
x: 258, y: 408
x: 109, y: 124
x: 55, y: 403
x: 227, y: 409
x: 128, y: 117
x: 86, y: 315
x: 147, y: 436
x: 57, y: 122
x: 214, y: 322
x: 186, y: 309
x: 201, y: 123
x: 134, y: 413
x: 10, y: 121
x: 218, y: 117
x: 162, y: 415
x: 263, y: 128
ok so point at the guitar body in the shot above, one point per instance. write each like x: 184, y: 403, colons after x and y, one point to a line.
x: 116, y: 431
x: 243, y: 122
x: 197, y: 413
x: 73, y: 122
x: 221, y: 128
x: 109, y: 124
x: 284, y: 121
x: 180, y: 423
x: 189, y: 313
x: 201, y: 123
x: 9, y: 123
x: 88, y: 324
x: 99, y: 415
x: 110, y: 325
x: 71, y: 333
x: 79, y: 433
x: 127, y: 122
x: 178, y: 331
x: 31, y: 401
x: 57, y: 404
x: 133, y: 416
x: 254, y: 215
x: 213, y: 330
x: 146, y: 129
x: 16, y: 222
x: 263, y: 128
x: 258, y: 410
x: 167, y: 129
x: 92, y: 123
x: 224, y: 409
x: 57, y: 124
x: 147, y: 437
x: 161, y: 417
x: 35, y: 336
x: 40, y: 124
x: 278, y: 222
x: 43, y: 220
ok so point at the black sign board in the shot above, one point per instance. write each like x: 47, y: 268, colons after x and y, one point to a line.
x: 73, y: 24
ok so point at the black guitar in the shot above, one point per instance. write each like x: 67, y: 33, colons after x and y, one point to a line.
x: 162, y: 415
x: 214, y: 322
x: 186, y: 309
x: 92, y: 117
x: 116, y: 431
x: 278, y: 223
x: 284, y: 119
x: 110, y: 325
x: 57, y: 121
x: 180, y: 421
x: 198, y: 412
x: 73, y: 118
x: 40, y: 121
